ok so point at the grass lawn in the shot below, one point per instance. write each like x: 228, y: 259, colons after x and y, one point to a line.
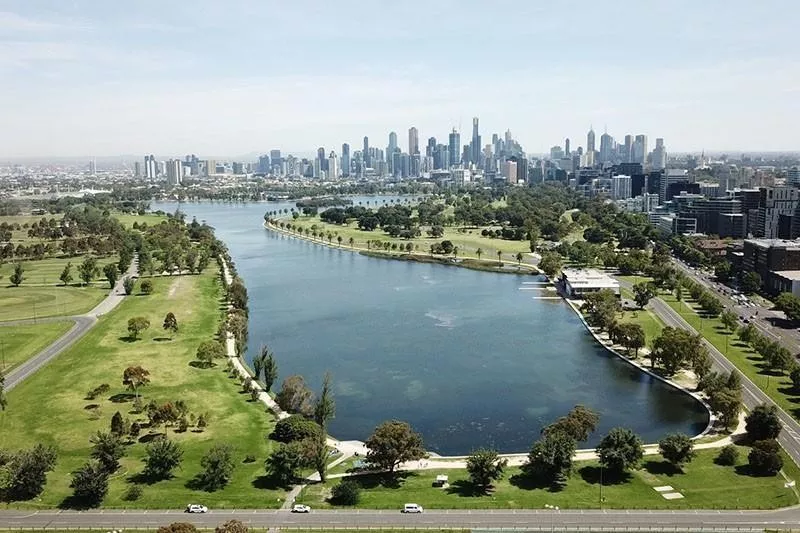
x: 635, y: 279
x: 704, y: 485
x: 19, y: 343
x: 21, y: 235
x: 777, y: 385
x: 51, y: 406
x: 27, y: 302
x: 149, y: 218
x: 650, y: 323
x: 47, y: 271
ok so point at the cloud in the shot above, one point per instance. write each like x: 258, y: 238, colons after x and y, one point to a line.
x: 12, y: 22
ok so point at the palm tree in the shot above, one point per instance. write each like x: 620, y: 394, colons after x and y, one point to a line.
x: 500, y: 257
x: 478, y: 252
x: 519, y: 258
x: 339, y: 240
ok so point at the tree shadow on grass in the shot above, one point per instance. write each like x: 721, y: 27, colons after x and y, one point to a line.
x: 791, y: 392
x: 122, y: 397
x: 386, y: 480
x: 141, y: 478
x: 201, y: 365
x: 591, y: 475
x: 661, y: 468
x: 79, y: 504
x: 91, y: 406
x: 467, y: 489
x: 267, y: 483
x: 162, y: 339
x: 528, y: 482
x: 150, y: 437
x: 128, y: 339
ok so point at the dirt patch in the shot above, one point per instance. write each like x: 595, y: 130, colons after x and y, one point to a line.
x: 177, y: 285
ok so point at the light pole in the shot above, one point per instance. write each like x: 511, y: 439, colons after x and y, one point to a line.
x: 601, y: 485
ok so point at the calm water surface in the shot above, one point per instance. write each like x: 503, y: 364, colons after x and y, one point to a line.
x: 469, y: 358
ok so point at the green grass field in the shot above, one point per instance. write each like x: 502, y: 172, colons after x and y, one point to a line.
x: 20, y: 343
x: 149, y: 218
x: 704, y: 484
x: 650, y: 323
x: 47, y: 271
x: 51, y: 406
x: 21, y: 235
x: 29, y: 302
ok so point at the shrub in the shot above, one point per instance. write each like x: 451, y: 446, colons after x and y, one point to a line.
x: 133, y: 493
x: 97, y: 391
x: 765, y: 458
x: 347, y: 492
x: 146, y: 287
x: 294, y: 428
x: 728, y: 455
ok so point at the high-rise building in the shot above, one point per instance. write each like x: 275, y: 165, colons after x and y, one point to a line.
x: 150, y: 167
x: 566, y: 147
x: 475, y: 144
x: 137, y: 169
x: 413, y: 141
x: 659, y: 158
x: 431, y: 147
x: 454, y: 147
x: 640, y: 149
x: 365, y: 153
x: 628, y: 151
x: 590, y: 140
x: 607, y: 148
x: 174, y: 172
x: 556, y: 153
x: 332, y: 171
x: 346, y: 160
x: 264, y: 164
x: 211, y: 167
x: 510, y: 171
x: 92, y: 167
x: 792, y: 175
x: 620, y: 187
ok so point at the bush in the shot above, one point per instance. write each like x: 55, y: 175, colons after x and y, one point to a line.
x: 765, y: 458
x: 146, y: 287
x: 346, y: 493
x: 295, y: 427
x: 133, y: 493
x: 728, y: 455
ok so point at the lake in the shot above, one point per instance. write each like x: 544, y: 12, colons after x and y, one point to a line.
x: 469, y: 358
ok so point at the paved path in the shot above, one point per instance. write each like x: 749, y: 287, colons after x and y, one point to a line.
x: 532, y: 520
x: 83, y: 323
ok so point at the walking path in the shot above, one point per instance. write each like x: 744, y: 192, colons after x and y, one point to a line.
x: 83, y: 323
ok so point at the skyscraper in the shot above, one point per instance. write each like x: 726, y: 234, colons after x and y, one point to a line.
x: 333, y: 167
x: 365, y: 153
x: 640, y: 149
x: 431, y: 148
x: 475, y: 145
x: 413, y: 141
x: 659, y: 155
x: 150, y: 167
x: 174, y: 172
x: 345, y: 160
x: 606, y: 148
x: 323, y: 161
x: 628, y: 152
x: 590, y: 140
x: 566, y: 146
x: 454, y: 148
x: 137, y: 169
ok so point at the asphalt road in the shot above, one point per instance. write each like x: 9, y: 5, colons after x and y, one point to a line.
x: 83, y: 323
x: 522, y: 519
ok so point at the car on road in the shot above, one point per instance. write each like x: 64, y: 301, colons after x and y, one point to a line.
x: 196, y: 508
x: 411, y: 508
x: 300, y: 508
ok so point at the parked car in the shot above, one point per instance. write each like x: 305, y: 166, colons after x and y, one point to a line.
x: 300, y: 508
x: 196, y: 508
x: 411, y: 508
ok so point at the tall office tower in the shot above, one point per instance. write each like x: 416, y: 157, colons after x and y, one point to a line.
x: 628, y: 152
x: 659, y: 155
x: 440, y: 157
x: 345, y: 160
x: 431, y: 147
x: 150, y: 167
x: 211, y: 167
x: 392, y: 144
x: 174, y: 172
x: 264, y: 164
x: 620, y: 187
x: 333, y: 166
x: 508, y: 137
x: 556, y: 153
x: 137, y: 169
x: 640, y: 149
x: 607, y: 148
x: 317, y: 168
x: 590, y: 140
x: 365, y: 152
x: 475, y: 145
x: 465, y: 155
x: 92, y: 167
x: 454, y: 147
x: 510, y: 171
x: 566, y: 147
x: 792, y: 175
x: 413, y: 141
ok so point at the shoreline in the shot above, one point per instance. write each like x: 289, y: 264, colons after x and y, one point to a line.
x: 582, y: 454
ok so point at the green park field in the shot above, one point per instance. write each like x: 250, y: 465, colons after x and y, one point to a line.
x: 20, y: 343
x: 29, y: 302
x: 52, y: 405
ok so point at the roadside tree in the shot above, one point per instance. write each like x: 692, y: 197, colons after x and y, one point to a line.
x: 484, y: 467
x: 620, y: 450
x: 90, y: 484
x: 643, y: 293
x: 765, y: 458
x: 218, y: 466
x: 87, y: 270
x: 676, y: 448
x: 295, y: 396
x: 763, y: 423
x: 392, y: 443
x: 112, y: 274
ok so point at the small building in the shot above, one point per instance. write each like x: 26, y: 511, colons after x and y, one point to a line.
x: 578, y: 282
x: 785, y: 281
x: 441, y: 480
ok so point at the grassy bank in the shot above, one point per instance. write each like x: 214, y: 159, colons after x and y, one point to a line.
x: 30, y: 302
x: 20, y: 343
x: 51, y: 406
x: 704, y: 485
x: 473, y: 264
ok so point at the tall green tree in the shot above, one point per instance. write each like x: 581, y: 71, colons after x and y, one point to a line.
x: 729, y: 320
x: 162, y: 456
x: 3, y: 399
x: 87, y: 270
x: 136, y: 325
x: 392, y: 443
x: 90, y: 484
x: 620, y: 450
x: 107, y: 449
x: 763, y: 423
x: 643, y: 293
x: 484, y: 467
x: 578, y: 424
x: 111, y: 273
x: 16, y: 278
x: 134, y: 378
x: 218, y: 467
x: 66, y: 274
x: 676, y: 448
x: 550, y: 458
x: 171, y: 323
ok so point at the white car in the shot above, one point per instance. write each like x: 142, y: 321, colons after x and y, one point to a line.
x: 411, y: 508
x: 195, y: 508
x: 300, y: 508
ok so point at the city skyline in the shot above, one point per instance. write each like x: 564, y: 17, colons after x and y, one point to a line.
x: 90, y: 78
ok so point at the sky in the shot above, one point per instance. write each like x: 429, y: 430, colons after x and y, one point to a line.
x: 221, y: 78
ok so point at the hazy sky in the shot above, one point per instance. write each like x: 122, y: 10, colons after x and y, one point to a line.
x: 106, y: 77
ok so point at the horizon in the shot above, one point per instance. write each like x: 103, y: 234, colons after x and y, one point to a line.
x: 91, y: 79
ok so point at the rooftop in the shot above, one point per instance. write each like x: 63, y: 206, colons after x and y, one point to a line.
x: 793, y: 275
x: 589, y: 276
x: 774, y: 243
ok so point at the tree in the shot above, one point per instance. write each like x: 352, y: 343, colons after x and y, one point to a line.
x: 794, y: 375
x: 16, y: 278
x: 25, y: 472
x: 135, y: 377
x: 136, y: 325
x: 723, y: 271
x: 3, y: 399
x: 237, y: 295
x: 178, y: 527
x: 631, y: 336
x: 269, y: 367
x: 295, y: 396
x: 620, y: 450
x: 162, y: 456
x: 118, y: 425
x: 111, y: 273
x: 601, y: 308
x: 107, y: 449
x: 676, y: 448
x: 727, y: 403
x: 550, y: 264
x: 208, y: 351
x: 728, y: 455
x: 282, y: 465
x: 347, y: 492
x: 90, y: 484
x: 519, y: 258
x: 750, y: 282
x: 579, y: 423
x: 394, y: 442
x: 499, y: 256
x: 217, y: 466
x: 789, y: 304
x: 128, y: 283
x: 171, y: 323
x: 485, y: 466
x: 550, y: 458
x: 479, y: 252
x: 765, y: 458
x: 325, y: 406
x: 676, y: 348
x: 146, y: 287
x: 643, y: 293
x: 66, y: 274
x: 232, y: 526
x: 763, y: 423
x: 729, y: 320
x: 779, y: 358
x: 295, y: 428
x: 87, y: 270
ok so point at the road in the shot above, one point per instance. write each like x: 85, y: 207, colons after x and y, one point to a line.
x: 83, y: 323
x: 752, y: 395
x: 543, y: 519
